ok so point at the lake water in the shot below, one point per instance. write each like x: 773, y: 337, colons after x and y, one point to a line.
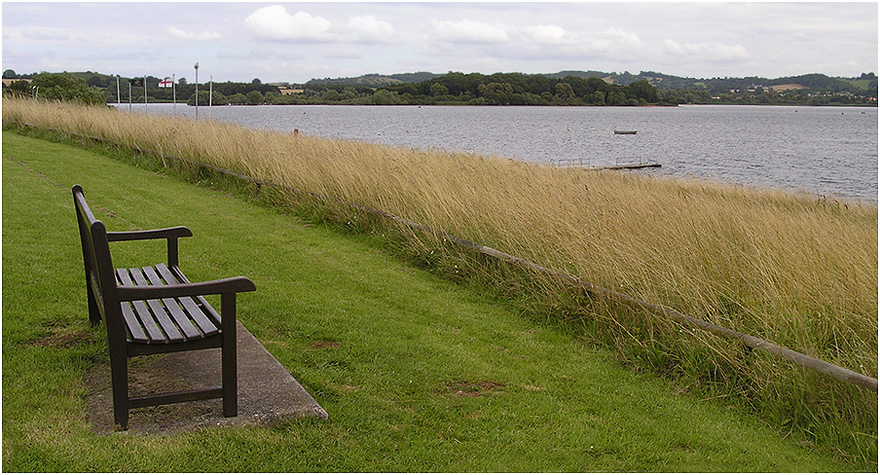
x: 828, y: 151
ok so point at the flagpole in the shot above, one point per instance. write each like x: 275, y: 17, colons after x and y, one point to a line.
x: 145, y: 92
x: 129, y: 96
x: 118, y: 96
x: 174, y: 93
x: 210, y: 97
x: 197, y: 90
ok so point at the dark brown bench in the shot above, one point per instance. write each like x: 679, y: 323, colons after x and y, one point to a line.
x: 156, y: 309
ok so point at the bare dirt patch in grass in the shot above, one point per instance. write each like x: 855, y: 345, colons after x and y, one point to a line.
x: 61, y: 338
x: 473, y: 389
x: 321, y: 345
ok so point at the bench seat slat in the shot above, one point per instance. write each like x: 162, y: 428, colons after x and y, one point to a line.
x: 133, y: 324
x: 208, y: 324
x: 172, y: 333
x: 140, y: 309
x: 200, y: 300
x: 173, y: 306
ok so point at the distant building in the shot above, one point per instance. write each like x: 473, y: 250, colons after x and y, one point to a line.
x: 8, y: 82
x: 287, y: 90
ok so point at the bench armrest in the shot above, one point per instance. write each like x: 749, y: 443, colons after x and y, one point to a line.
x: 164, y: 233
x: 231, y: 285
x: 171, y: 234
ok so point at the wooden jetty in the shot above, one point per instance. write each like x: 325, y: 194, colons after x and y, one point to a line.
x: 581, y: 163
x: 631, y: 166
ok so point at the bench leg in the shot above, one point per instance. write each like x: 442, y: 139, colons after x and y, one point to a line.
x: 119, y: 377
x: 229, y: 357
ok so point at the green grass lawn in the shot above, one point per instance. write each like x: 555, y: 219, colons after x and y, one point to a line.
x: 417, y: 373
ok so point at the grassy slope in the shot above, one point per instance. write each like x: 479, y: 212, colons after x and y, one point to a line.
x: 427, y: 376
x: 796, y: 270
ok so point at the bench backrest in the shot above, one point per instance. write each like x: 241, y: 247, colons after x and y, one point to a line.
x: 100, y: 277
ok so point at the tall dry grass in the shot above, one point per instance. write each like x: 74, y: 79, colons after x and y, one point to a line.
x: 792, y: 269
x: 763, y: 261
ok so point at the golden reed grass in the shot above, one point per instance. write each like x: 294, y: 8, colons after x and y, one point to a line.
x: 792, y: 269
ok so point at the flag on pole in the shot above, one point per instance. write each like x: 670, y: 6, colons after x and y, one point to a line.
x: 137, y: 82
x: 167, y: 82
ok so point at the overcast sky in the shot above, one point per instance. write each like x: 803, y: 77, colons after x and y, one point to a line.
x: 295, y: 42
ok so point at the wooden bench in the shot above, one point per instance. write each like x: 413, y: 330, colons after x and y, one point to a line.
x: 155, y: 309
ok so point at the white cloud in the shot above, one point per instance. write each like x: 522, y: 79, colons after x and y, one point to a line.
x: 275, y: 23
x: 468, y: 31
x: 611, y: 44
x: 368, y: 28
x: 183, y: 35
x: 687, y: 49
x: 618, y: 38
x: 728, y: 52
x: 707, y: 51
x: 550, y: 35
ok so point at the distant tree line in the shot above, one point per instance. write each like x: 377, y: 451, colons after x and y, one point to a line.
x: 452, y: 88
x: 478, y: 89
x: 63, y: 87
x: 526, y: 89
x: 567, y: 88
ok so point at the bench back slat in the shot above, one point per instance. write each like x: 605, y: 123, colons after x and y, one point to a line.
x: 100, y: 276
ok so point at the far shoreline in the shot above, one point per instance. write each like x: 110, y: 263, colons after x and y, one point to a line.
x: 869, y: 106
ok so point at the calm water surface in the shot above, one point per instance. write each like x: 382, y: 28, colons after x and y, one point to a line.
x: 821, y: 150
